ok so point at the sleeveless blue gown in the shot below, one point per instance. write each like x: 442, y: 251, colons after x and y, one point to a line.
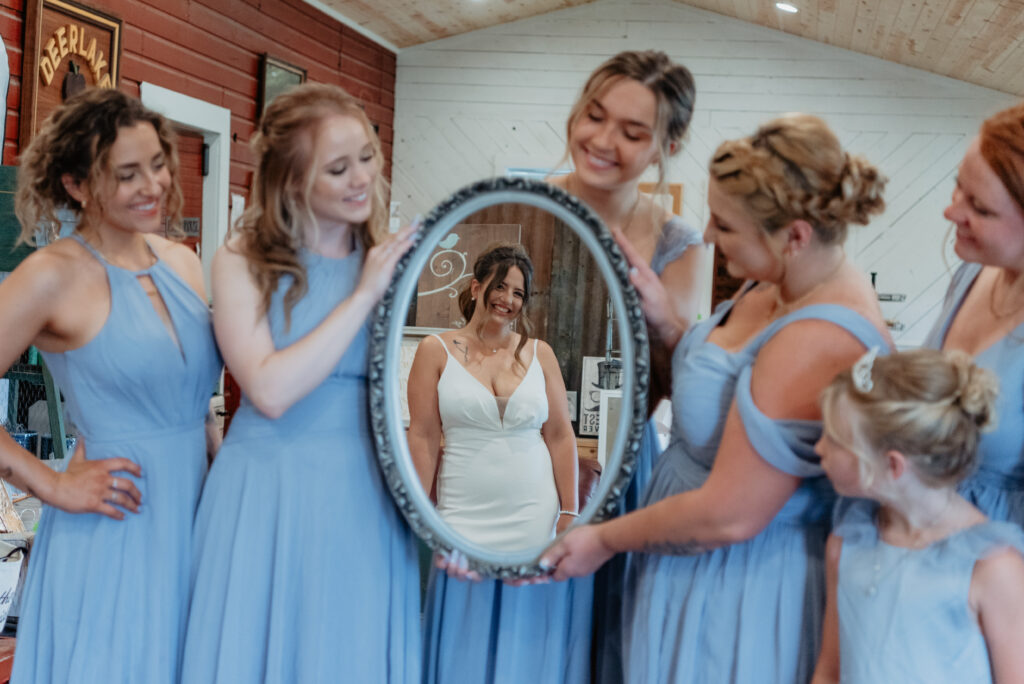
x: 750, y: 612
x: 105, y: 601
x: 997, y: 487
x: 606, y: 657
x: 904, y: 613
x: 304, y: 570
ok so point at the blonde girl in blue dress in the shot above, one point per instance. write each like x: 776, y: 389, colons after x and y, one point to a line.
x: 921, y: 586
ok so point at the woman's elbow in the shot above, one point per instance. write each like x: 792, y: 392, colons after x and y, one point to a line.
x: 270, y: 404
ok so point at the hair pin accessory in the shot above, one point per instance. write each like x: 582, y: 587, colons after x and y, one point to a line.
x: 861, y: 372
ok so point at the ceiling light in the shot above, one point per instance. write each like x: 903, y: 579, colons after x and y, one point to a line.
x: 786, y: 7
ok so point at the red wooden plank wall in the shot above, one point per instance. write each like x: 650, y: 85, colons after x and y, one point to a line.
x: 209, y: 49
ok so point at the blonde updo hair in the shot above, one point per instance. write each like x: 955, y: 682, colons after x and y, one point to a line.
x: 929, y: 405
x: 75, y: 139
x: 283, y: 145
x: 794, y: 169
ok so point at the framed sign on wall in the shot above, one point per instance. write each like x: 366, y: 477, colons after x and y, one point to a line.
x: 68, y: 47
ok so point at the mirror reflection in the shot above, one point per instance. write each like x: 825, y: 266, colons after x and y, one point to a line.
x: 510, y: 310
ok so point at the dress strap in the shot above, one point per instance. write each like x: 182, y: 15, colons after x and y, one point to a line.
x: 789, y: 444
x: 963, y: 279
x: 846, y: 318
x: 92, y: 250
x: 443, y: 344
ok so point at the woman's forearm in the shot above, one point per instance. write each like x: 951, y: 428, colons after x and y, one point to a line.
x: 25, y: 471
x: 565, y: 464
x: 289, y: 374
x: 683, y: 524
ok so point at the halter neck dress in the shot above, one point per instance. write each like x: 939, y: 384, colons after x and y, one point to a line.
x: 486, y: 632
x: 997, y: 486
x: 105, y: 601
x: 903, y: 613
x: 676, y: 237
x: 304, y: 569
x: 752, y: 611
x: 496, y: 486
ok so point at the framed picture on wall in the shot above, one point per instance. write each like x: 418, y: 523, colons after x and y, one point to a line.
x: 276, y: 77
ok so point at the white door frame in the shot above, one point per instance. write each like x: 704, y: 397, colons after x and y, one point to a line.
x: 214, y: 123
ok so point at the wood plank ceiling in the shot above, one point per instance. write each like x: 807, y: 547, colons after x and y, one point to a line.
x: 979, y: 41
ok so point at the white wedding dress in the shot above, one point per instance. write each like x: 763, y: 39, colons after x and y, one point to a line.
x: 496, y: 486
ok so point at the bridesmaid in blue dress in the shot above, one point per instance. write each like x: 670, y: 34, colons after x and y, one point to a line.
x: 121, y: 318
x: 304, y: 569
x: 983, y: 313
x: 922, y: 587
x: 631, y: 115
x: 726, y: 582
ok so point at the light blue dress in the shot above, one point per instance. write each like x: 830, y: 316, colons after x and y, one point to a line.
x: 304, y: 569
x: 750, y: 612
x: 105, y: 601
x: 997, y: 487
x: 675, y: 238
x: 904, y: 613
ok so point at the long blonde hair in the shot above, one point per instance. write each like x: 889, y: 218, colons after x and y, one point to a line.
x: 794, y: 168
x: 75, y: 139
x: 283, y: 183
x: 929, y: 405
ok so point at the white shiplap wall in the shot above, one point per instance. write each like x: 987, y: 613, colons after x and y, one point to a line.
x: 470, y: 106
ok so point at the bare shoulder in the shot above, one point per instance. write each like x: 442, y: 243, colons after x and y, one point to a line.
x: 1002, y: 569
x: 229, y: 257
x: 997, y: 583
x: 52, y: 269
x: 545, y: 353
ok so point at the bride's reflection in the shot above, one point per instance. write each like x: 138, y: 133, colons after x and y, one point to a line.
x: 506, y: 475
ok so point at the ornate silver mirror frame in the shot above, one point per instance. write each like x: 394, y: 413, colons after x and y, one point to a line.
x: 385, y: 349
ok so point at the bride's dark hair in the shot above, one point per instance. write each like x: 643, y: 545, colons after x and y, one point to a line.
x: 495, y: 261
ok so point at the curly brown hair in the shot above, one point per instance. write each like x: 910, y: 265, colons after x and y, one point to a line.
x: 270, y: 228
x: 75, y: 139
x: 794, y: 168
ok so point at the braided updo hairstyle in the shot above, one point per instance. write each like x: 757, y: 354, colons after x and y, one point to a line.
x: 495, y: 261
x: 794, y: 168
x: 929, y: 405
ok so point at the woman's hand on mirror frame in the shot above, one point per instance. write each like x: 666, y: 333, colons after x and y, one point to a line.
x: 456, y: 565
x: 580, y: 552
x: 659, y: 308
x: 382, y: 258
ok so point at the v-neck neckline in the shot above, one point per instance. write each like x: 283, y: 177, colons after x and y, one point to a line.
x: 483, y: 387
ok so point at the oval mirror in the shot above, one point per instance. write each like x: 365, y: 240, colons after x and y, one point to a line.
x: 582, y: 304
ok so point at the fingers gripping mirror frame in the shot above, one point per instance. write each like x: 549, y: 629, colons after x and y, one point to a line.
x: 385, y: 348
